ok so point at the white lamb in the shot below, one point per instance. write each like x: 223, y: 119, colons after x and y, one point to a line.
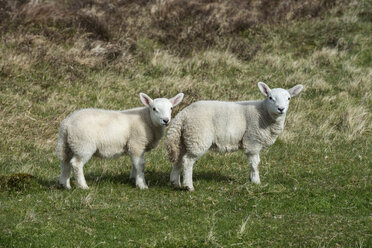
x: 108, y: 133
x: 225, y: 127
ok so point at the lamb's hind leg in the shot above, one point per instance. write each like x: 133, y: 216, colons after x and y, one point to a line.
x: 254, y: 160
x: 77, y: 166
x: 133, y: 173
x: 175, y: 176
x: 194, y: 152
x: 64, y: 178
x: 188, y: 163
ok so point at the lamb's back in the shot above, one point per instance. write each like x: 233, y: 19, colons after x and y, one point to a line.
x: 104, y: 128
x: 222, y: 123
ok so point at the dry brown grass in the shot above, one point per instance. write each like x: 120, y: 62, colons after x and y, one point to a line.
x: 181, y: 26
x: 188, y: 25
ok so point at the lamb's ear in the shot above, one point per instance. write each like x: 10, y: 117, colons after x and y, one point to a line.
x: 264, y: 88
x: 177, y: 99
x: 295, y: 90
x: 146, y: 100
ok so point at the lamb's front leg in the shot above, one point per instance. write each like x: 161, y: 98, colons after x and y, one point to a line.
x: 139, y: 167
x: 254, y: 160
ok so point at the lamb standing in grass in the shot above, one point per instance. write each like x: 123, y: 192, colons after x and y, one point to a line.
x: 106, y: 133
x: 227, y: 126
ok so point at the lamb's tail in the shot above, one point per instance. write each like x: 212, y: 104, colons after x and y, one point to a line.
x: 63, y: 151
x: 174, y: 142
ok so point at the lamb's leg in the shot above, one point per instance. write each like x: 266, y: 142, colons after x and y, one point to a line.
x: 64, y: 178
x: 139, y: 165
x: 77, y: 166
x: 188, y: 163
x: 133, y: 173
x: 175, y: 174
x: 254, y: 160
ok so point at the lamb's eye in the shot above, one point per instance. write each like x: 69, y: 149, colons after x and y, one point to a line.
x: 270, y: 98
x: 171, y: 108
x: 154, y: 109
x: 289, y: 98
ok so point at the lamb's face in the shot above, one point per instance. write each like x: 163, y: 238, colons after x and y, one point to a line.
x: 161, y: 108
x: 277, y: 100
x: 161, y: 111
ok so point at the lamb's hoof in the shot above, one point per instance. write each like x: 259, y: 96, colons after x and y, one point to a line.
x: 189, y: 188
x: 176, y: 185
x: 64, y: 184
x: 255, y: 180
x: 142, y: 186
x: 84, y: 187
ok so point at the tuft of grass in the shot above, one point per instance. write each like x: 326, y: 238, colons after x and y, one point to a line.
x: 17, y: 182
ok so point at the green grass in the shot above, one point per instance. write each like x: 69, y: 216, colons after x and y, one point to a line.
x: 316, y: 179
x: 312, y: 199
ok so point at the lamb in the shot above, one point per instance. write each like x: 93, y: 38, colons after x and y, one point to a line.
x: 107, y: 133
x: 225, y: 127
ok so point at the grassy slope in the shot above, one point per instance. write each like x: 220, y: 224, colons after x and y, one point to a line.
x: 316, y: 179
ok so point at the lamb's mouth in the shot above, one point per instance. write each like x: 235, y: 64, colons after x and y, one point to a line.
x: 165, y: 124
x: 281, y: 111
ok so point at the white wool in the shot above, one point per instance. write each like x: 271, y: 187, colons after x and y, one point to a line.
x: 107, y: 133
x: 224, y: 127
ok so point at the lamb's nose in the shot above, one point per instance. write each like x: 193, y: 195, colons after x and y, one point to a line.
x: 281, y: 109
x: 166, y: 120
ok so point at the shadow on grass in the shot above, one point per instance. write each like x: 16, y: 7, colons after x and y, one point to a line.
x: 154, y: 178
x: 19, y: 182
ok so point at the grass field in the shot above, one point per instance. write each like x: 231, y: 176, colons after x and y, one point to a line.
x: 59, y: 56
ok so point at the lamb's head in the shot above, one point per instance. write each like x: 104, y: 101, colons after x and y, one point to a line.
x: 277, y: 100
x: 161, y: 108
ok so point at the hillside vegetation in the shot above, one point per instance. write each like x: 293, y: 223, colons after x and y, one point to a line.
x: 59, y: 56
